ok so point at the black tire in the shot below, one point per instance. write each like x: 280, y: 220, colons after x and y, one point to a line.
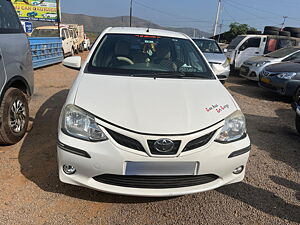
x: 292, y: 29
x: 296, y: 97
x: 253, y: 32
x: 223, y: 81
x: 285, y: 33
x: 10, y: 135
x: 72, y: 52
x: 271, y: 28
x: 297, y: 35
x: 81, y: 48
x: 297, y: 122
x: 271, y: 32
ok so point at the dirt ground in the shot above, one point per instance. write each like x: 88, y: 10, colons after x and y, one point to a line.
x: 31, y: 193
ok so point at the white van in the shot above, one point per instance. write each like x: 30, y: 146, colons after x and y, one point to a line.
x: 244, y: 47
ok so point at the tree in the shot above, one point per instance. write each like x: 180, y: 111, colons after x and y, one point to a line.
x: 238, y: 29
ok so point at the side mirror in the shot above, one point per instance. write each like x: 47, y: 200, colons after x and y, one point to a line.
x: 73, y: 62
x: 225, y: 50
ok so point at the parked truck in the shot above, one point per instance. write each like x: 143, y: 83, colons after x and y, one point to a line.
x: 77, y: 31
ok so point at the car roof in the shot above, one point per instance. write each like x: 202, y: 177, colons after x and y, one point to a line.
x: 145, y: 31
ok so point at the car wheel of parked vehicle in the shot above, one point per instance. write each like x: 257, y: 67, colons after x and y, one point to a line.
x: 292, y: 29
x: 271, y: 32
x: 271, y: 28
x: 14, y: 115
x: 285, y: 33
x: 253, y: 32
x: 72, y: 51
x: 298, y: 123
x: 297, y: 96
x: 296, y: 34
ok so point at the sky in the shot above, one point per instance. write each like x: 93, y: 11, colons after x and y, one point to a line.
x: 199, y: 14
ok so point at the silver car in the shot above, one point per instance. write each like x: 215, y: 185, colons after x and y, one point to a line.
x: 16, y: 76
x: 252, y: 67
x: 215, y: 57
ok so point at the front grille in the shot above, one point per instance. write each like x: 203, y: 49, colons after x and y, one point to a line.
x: 126, y: 141
x: 266, y: 73
x: 155, y: 182
x: 155, y: 152
x: 198, y: 142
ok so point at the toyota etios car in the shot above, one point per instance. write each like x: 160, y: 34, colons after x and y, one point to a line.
x: 147, y: 116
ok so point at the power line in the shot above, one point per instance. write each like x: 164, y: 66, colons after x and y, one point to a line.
x: 163, y: 12
x: 242, y: 9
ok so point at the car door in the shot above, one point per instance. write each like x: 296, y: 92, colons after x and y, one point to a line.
x: 250, y: 48
x: 66, y: 41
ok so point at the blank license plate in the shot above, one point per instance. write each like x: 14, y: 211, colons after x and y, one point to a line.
x: 161, y: 168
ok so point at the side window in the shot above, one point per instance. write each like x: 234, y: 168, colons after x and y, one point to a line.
x: 9, y: 21
x: 251, y: 43
x: 284, y: 43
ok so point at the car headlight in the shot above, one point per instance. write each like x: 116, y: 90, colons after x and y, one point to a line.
x: 80, y: 124
x: 233, y: 129
x: 226, y: 63
x: 261, y: 63
x: 288, y: 75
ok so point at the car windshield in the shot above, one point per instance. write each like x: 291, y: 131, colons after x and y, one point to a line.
x: 44, y: 33
x: 234, y: 43
x: 282, y: 52
x: 208, y: 46
x: 148, y: 55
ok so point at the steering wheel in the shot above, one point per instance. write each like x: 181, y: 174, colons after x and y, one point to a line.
x: 125, y: 59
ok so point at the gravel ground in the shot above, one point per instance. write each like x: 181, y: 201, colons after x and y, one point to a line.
x: 30, y: 192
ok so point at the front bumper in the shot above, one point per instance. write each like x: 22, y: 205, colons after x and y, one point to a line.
x: 250, y: 72
x: 110, y: 158
x: 280, y: 86
x: 222, y: 72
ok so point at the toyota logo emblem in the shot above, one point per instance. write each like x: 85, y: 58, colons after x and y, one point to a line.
x: 164, y: 145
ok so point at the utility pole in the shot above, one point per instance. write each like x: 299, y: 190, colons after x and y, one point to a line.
x: 284, y: 18
x: 221, y: 25
x: 217, y: 18
x: 130, y: 13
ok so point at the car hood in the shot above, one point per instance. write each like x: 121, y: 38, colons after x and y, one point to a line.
x: 258, y: 59
x: 155, y: 106
x: 284, y: 67
x: 215, y: 57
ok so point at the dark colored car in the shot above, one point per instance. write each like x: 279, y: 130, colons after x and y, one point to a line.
x: 282, y: 78
x: 296, y: 107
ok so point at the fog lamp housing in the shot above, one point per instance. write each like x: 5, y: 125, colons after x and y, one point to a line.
x: 69, y: 169
x: 238, y: 170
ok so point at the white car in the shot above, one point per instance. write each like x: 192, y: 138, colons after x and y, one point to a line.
x: 147, y: 116
x: 215, y: 56
x: 252, y: 67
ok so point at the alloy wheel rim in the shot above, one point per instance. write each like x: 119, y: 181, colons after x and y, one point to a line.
x: 17, y: 116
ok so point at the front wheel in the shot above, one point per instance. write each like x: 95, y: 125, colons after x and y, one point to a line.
x: 14, y: 115
x: 298, y: 123
x: 297, y: 96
